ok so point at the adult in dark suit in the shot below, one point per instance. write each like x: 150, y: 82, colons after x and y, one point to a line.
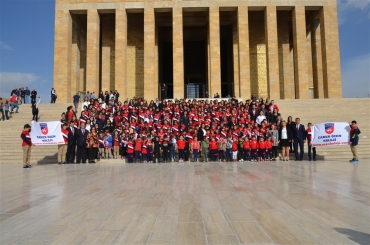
x: 158, y: 104
x: 164, y: 91
x: 253, y: 112
x: 81, y: 137
x: 71, y: 149
x: 299, y: 138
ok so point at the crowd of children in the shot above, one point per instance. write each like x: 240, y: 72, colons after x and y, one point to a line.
x: 167, y: 131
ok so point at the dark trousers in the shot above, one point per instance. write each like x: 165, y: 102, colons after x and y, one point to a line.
x: 137, y: 155
x: 247, y: 154
x: 254, y: 154
x: 35, y: 116
x: 92, y: 153
x: 269, y: 153
x: 262, y: 154
x: 221, y: 154
x: 274, y: 151
x: 81, y: 154
x: 2, y: 114
x: 213, y: 155
x: 130, y: 157
x: 181, y: 154
x: 195, y: 155
x: 156, y: 156
x: 229, y: 154
x: 150, y: 157
x: 165, y: 153
x: 7, y: 115
x: 71, y: 152
x: 301, y: 149
x: 33, y: 100
x: 241, y: 154
x: 313, y: 151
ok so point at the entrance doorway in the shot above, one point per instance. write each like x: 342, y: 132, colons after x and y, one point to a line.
x: 195, y: 68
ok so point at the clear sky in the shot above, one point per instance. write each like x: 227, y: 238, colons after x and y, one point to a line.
x: 27, y: 46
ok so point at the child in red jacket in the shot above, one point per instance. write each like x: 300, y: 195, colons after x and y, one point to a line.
x: 268, y: 144
x: 181, y: 146
x: 130, y: 151
x: 254, y: 148
x: 262, y: 149
x: 247, y: 149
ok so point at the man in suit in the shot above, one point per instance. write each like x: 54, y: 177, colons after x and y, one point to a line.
x: 71, y: 149
x: 164, y: 91
x: 158, y: 104
x: 299, y: 138
x: 81, y: 137
x: 253, y: 112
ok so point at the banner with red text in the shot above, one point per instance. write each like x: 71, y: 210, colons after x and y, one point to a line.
x: 330, y: 134
x: 46, y: 133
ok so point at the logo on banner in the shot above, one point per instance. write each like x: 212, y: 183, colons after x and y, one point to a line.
x: 329, y: 128
x: 44, y: 128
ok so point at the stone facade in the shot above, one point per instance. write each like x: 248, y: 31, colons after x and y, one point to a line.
x: 286, y: 49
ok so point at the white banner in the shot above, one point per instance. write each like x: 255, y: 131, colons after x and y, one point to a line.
x: 330, y: 134
x: 46, y: 133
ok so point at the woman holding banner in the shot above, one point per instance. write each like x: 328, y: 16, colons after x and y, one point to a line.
x: 92, y: 144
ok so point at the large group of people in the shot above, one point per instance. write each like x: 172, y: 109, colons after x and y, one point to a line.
x: 179, y: 130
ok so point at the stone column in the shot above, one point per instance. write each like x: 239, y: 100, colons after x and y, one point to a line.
x: 244, y: 59
x: 300, y: 53
x: 150, y: 80
x: 75, y: 59
x: 317, y: 58
x: 178, y: 53
x: 236, y: 88
x: 214, y: 52
x: 120, y: 53
x: 272, y: 52
x: 92, y: 56
x: 62, y: 55
x: 330, y: 52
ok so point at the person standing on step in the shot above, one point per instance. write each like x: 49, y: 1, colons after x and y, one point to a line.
x: 26, y: 145
x: 35, y: 110
x: 355, y: 131
x: 76, y: 101
x: 164, y: 91
x: 298, y: 138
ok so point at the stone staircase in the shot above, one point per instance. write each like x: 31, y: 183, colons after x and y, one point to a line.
x: 315, y: 111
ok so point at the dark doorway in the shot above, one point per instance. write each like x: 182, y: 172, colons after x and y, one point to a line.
x: 227, y: 61
x: 195, y: 65
x: 166, y: 66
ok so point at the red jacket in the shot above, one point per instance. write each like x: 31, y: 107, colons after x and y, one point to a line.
x: 246, y: 145
x: 130, y: 147
x: 181, y: 144
x: 235, y: 145
x: 254, y: 144
x: 268, y: 144
x: 26, y: 138
x: 262, y: 145
x: 213, y: 145
x: 65, y: 133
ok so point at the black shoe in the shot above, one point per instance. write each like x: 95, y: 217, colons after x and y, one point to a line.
x: 314, y: 160
x: 77, y: 163
x: 59, y: 163
x: 28, y: 166
x: 301, y: 159
x: 309, y: 160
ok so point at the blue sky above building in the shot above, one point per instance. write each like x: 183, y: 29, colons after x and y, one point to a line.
x: 27, y: 46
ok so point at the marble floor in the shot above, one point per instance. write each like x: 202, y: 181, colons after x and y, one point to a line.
x: 323, y: 202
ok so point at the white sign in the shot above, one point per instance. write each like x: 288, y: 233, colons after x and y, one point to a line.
x: 330, y: 134
x: 46, y: 133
